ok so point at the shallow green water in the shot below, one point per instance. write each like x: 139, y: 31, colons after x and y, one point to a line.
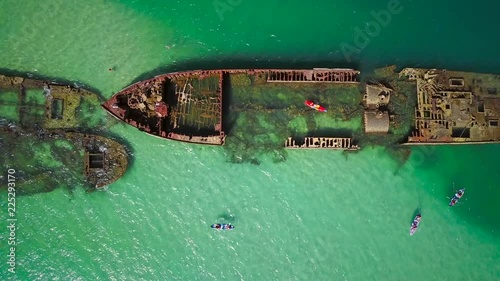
x: 317, y: 216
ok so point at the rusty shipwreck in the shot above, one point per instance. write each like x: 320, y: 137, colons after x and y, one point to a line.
x: 455, y: 107
x: 266, y: 107
x: 188, y: 106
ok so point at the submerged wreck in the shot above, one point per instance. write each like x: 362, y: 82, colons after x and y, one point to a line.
x: 41, y: 123
x: 49, y: 105
x: 104, y: 160
x: 47, y: 159
x: 322, y: 108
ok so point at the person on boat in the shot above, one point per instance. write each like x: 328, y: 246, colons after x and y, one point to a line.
x: 217, y: 226
x: 416, y: 220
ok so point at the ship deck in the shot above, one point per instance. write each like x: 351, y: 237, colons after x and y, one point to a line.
x: 455, y: 107
x: 181, y: 107
x: 188, y: 106
x: 34, y: 103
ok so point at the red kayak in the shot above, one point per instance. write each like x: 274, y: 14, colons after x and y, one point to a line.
x: 315, y: 106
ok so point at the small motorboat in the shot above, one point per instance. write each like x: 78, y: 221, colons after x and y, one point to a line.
x: 415, y: 224
x: 222, y: 226
x: 457, y: 196
x: 315, y: 106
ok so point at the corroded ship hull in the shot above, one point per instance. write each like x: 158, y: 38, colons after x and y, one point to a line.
x: 188, y: 106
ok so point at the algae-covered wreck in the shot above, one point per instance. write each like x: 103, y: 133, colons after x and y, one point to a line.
x: 40, y: 125
x: 47, y: 159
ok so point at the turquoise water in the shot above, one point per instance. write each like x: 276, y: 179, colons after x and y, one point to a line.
x: 320, y: 215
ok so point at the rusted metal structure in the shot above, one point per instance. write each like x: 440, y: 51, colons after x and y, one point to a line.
x: 187, y: 106
x: 322, y: 75
x: 174, y: 105
x: 455, y: 107
x: 321, y: 143
x: 376, y: 96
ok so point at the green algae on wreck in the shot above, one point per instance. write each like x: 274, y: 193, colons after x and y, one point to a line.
x: 263, y: 115
x: 37, y: 103
x: 257, y: 112
x: 48, y: 159
x: 42, y: 164
x: 39, y: 125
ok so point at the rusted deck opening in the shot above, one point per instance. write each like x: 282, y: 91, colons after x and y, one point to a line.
x: 96, y: 160
x: 460, y: 133
x: 456, y: 82
x: 56, y: 111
